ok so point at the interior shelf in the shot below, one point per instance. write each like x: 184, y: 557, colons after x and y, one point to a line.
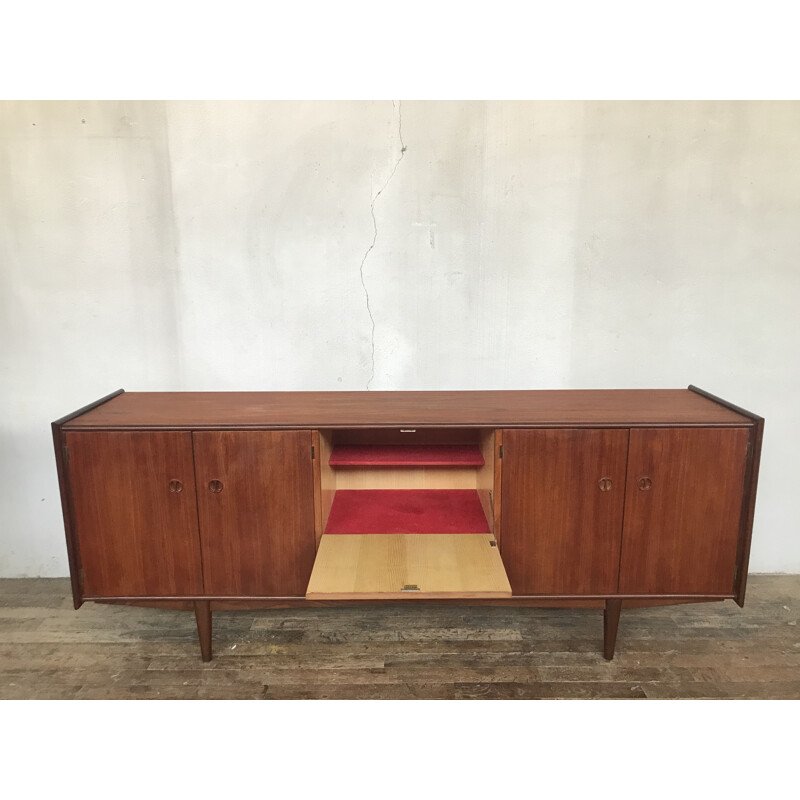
x: 361, y: 511
x: 402, y: 455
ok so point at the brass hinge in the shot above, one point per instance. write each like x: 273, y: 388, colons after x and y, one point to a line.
x: 501, y: 451
x: 410, y: 587
x: 312, y: 452
x: 81, y: 577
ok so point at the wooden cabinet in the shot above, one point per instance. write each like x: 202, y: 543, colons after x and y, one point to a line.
x: 681, y: 490
x: 135, y: 513
x: 284, y: 499
x: 683, y: 508
x: 563, y: 495
x: 256, y: 503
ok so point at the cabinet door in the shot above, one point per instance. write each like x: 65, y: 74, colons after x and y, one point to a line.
x: 256, y: 502
x: 562, y: 501
x: 135, y: 513
x: 682, y: 509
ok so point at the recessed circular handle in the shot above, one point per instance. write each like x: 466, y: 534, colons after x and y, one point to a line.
x: 215, y: 486
x: 605, y: 484
x: 175, y: 486
x: 645, y: 483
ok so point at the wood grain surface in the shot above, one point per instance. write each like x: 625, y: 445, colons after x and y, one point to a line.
x: 381, y: 565
x: 406, y: 478
x: 258, y: 531
x: 710, y: 650
x: 194, y: 410
x: 748, y: 509
x: 135, y: 535
x: 560, y: 531
x: 681, y: 534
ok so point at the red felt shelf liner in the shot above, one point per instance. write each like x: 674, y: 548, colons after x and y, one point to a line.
x: 407, y: 455
x: 406, y: 511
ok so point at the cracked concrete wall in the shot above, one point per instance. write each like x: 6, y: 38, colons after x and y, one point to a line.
x: 516, y: 245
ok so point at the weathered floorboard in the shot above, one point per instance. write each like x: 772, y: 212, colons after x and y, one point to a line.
x: 707, y: 650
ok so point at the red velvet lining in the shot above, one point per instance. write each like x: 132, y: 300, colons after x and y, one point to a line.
x: 406, y: 511
x: 407, y: 455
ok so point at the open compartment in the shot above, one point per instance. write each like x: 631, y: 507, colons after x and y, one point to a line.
x: 412, y: 467
x: 407, y: 513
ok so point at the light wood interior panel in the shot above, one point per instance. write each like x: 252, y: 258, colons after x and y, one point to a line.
x: 318, y: 528
x: 497, y: 495
x: 406, y: 478
x: 327, y: 477
x: 379, y: 566
x: 484, y: 477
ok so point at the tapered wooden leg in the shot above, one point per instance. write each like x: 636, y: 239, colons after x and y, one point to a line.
x: 202, y: 612
x: 610, y: 625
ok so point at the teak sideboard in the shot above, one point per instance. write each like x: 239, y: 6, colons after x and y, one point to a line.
x: 219, y: 500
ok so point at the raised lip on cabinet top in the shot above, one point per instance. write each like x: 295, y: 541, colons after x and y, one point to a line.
x: 347, y: 409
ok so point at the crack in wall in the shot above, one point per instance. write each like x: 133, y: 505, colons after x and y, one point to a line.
x: 375, y: 235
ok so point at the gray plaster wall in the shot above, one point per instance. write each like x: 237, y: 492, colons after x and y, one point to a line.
x: 231, y: 245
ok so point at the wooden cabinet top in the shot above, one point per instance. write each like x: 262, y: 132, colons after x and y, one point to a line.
x: 490, y: 409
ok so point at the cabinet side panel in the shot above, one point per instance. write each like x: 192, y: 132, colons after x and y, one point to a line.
x: 682, y: 510
x: 73, y: 555
x: 748, y: 510
x: 137, y: 535
x: 563, y: 493
x: 59, y: 444
x: 257, y: 528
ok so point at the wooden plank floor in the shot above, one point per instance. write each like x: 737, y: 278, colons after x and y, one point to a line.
x: 710, y: 650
